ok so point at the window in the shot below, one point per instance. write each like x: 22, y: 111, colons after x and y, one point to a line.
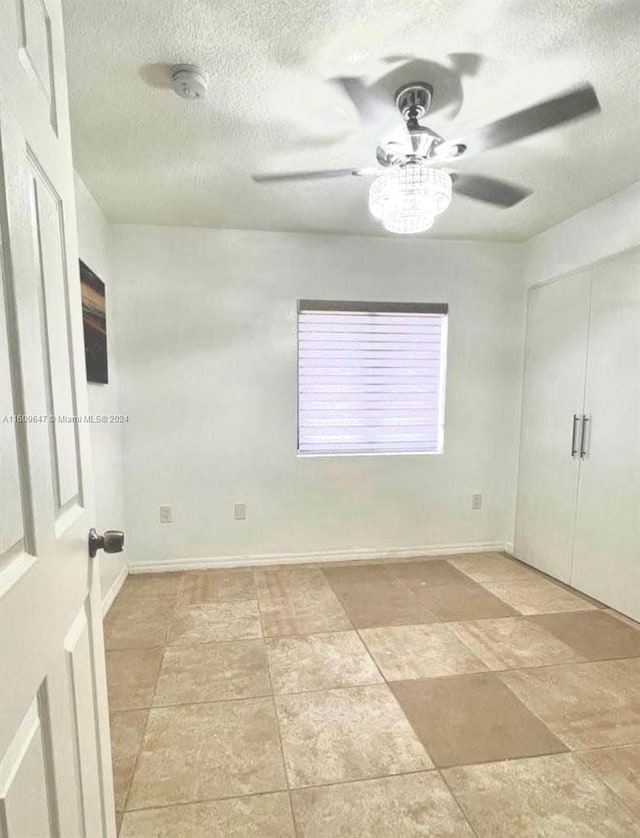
x: 371, y: 377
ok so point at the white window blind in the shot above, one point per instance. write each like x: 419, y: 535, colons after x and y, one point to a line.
x: 371, y: 377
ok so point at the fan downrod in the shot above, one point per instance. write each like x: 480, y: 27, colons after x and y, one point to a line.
x: 414, y: 100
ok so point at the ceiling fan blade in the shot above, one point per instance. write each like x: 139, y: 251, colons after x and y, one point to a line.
x: 487, y: 189
x: 372, y: 107
x: 533, y: 120
x: 317, y: 175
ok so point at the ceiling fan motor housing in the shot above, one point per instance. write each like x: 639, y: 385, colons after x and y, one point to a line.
x: 414, y: 100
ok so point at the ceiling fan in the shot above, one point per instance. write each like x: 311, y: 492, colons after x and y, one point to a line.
x: 412, y: 184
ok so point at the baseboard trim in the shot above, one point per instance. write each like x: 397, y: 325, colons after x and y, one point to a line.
x: 264, y: 560
x: 114, y: 590
x: 510, y: 548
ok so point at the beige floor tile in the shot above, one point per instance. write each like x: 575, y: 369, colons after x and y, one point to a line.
x: 142, y: 587
x: 594, y: 602
x: 301, y: 615
x: 538, y: 596
x: 388, y: 562
x: 135, y: 627
x: 287, y: 580
x: 408, y: 806
x: 595, y: 635
x: 127, y: 728
x: 464, y: 602
x: 196, y: 752
x: 491, y: 567
x: 427, y: 573
x: 360, y: 563
x: 513, y: 643
x: 213, y: 585
x: 619, y: 768
x: 119, y: 816
x: 588, y: 705
x: 298, y: 601
x: 320, y: 662
x: 256, y: 816
x: 212, y: 621
x: 372, y: 597
x: 132, y: 676
x: 154, y: 583
x: 472, y: 718
x: 348, y: 734
x: 210, y: 762
x: 547, y: 797
x: 213, y: 672
x: 623, y: 618
x: 406, y: 652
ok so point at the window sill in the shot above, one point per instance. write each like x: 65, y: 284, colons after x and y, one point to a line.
x: 314, y: 456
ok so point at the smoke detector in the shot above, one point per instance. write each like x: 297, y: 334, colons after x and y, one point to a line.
x: 188, y: 81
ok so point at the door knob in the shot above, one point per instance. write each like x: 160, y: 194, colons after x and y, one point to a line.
x: 111, y: 542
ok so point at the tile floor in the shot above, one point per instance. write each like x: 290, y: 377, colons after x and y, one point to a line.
x: 454, y: 696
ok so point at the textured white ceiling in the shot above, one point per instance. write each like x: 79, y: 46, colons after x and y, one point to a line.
x: 150, y: 157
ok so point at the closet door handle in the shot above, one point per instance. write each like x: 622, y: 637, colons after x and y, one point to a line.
x: 585, y: 438
x: 574, y: 434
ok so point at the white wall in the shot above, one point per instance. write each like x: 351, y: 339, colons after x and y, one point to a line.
x: 106, y: 440
x: 207, y: 345
x: 608, y: 227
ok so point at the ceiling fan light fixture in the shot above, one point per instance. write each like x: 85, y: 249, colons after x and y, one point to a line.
x: 409, y: 216
x: 411, y: 189
x: 408, y: 197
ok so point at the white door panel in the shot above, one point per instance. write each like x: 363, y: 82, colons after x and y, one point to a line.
x: 80, y: 672
x: 26, y: 778
x: 555, y: 359
x: 55, y: 777
x: 12, y: 524
x: 47, y: 230
x: 607, y: 547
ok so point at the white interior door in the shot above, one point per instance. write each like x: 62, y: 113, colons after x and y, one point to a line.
x: 606, y: 561
x: 555, y: 357
x: 54, y: 755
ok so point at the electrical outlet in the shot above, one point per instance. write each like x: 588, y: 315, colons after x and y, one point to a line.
x: 476, y: 501
x: 240, y: 511
x: 166, y: 514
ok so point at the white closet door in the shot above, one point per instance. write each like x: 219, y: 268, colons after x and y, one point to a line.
x: 607, y: 546
x: 558, y: 315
